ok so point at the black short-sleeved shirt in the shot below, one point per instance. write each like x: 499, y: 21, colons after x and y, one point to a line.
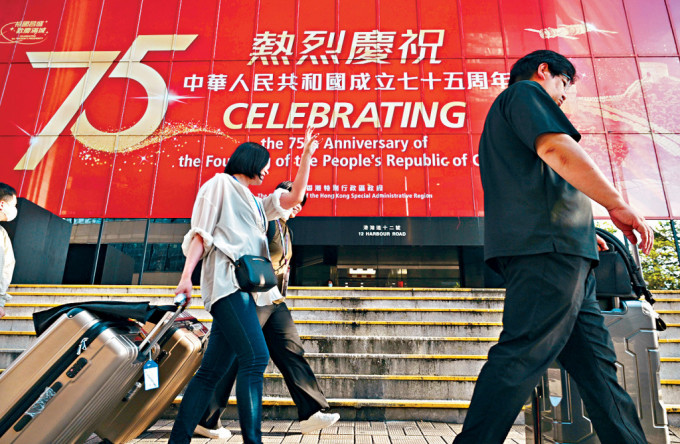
x: 528, y: 208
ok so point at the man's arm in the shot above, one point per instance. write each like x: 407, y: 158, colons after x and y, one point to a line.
x: 566, y: 157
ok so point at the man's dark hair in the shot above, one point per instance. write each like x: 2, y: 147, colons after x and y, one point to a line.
x: 6, y: 192
x: 248, y: 159
x: 288, y: 185
x: 525, y: 67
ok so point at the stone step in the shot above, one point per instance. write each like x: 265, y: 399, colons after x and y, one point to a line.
x: 353, y: 409
x: 341, y: 345
x: 395, y: 333
x: 8, y: 355
x: 19, y: 317
x: 432, y: 308
x: 57, y: 298
x: 415, y: 292
x: 470, y: 315
x: 377, y: 353
x: 381, y: 328
x: 666, y: 303
x: 21, y: 309
x: 418, y: 301
x: 412, y: 387
x: 364, y: 328
x: 297, y: 302
x: 493, y: 294
x: 292, y: 291
x: 419, y: 365
x: 455, y: 348
x: 384, y: 386
x: 666, y: 294
x: 451, y: 412
x: 384, y: 364
x: 418, y: 345
x: 670, y: 316
x: 425, y: 345
x: 448, y: 411
x: 378, y: 405
x: 26, y: 310
x: 394, y: 364
x: 92, y: 289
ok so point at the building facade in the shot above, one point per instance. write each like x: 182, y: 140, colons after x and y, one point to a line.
x: 114, y: 113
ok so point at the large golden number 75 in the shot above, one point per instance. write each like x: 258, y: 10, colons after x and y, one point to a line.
x: 97, y: 63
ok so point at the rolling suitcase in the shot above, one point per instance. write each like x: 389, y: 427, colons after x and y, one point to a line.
x: 180, y: 356
x: 77, y: 370
x: 557, y: 413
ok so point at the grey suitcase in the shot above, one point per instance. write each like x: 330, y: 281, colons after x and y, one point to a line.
x: 557, y: 413
x: 563, y: 418
x: 79, y: 368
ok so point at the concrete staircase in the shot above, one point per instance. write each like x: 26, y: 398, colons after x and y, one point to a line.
x: 379, y: 354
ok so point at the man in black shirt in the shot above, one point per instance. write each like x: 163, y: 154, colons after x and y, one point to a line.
x: 539, y: 235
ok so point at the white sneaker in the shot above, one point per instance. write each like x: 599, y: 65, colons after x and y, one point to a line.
x: 318, y: 421
x: 218, y: 433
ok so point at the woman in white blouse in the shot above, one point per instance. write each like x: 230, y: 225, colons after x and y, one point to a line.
x: 227, y: 222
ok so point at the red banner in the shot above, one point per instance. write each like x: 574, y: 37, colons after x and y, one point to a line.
x: 123, y: 109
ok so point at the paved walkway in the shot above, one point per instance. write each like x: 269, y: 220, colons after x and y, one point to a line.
x: 344, y: 432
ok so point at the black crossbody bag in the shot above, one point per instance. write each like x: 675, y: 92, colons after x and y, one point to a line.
x: 254, y: 273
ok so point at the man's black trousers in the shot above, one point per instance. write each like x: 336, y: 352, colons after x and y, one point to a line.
x: 285, y: 349
x: 550, y: 313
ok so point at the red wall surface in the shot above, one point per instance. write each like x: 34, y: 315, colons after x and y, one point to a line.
x: 124, y: 108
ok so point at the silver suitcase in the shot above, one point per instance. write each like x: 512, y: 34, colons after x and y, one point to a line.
x: 563, y: 418
x: 77, y: 371
x: 557, y: 413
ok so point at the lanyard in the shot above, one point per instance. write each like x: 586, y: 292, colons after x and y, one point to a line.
x: 284, y: 241
x: 263, y: 218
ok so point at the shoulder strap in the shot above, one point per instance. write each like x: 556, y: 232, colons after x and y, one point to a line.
x: 637, y: 280
x: 639, y: 285
x: 271, y: 231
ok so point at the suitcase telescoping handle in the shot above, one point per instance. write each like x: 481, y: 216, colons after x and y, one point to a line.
x: 536, y: 412
x: 163, y: 326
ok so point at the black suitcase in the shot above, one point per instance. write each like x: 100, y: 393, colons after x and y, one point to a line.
x: 557, y: 413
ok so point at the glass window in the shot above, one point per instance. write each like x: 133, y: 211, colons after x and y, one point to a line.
x: 636, y: 172
x: 605, y: 22
x: 674, y: 12
x: 398, y: 267
x: 482, y: 88
x: 451, y: 186
x: 618, y: 84
x: 564, y: 27
x: 582, y: 104
x: 163, y: 260
x: 443, y: 15
x: 668, y: 152
x: 661, y: 88
x: 596, y: 147
x: 481, y: 25
x: 650, y: 27
x: 523, y: 28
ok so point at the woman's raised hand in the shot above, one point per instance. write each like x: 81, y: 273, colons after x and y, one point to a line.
x: 311, y: 144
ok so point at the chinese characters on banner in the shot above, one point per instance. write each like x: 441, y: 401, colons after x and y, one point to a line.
x: 110, y: 110
x: 332, y: 81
